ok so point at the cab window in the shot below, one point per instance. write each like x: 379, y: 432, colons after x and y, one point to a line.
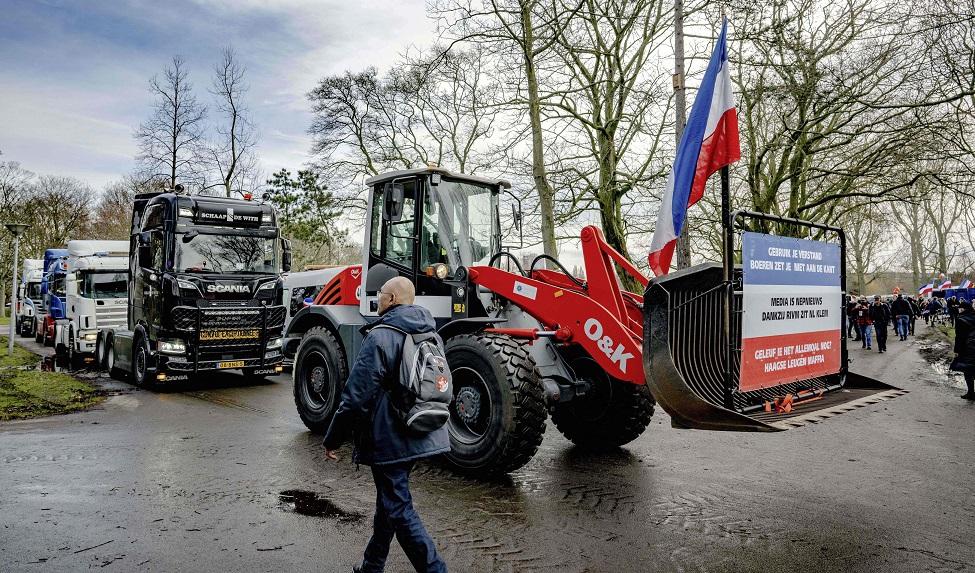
x: 393, y: 240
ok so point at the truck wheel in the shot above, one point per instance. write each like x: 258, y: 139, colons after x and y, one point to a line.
x: 140, y: 366
x: 74, y: 358
x: 110, y: 360
x: 610, y: 414
x: 18, y: 326
x: 497, y: 418
x: 319, y: 375
x: 101, y: 356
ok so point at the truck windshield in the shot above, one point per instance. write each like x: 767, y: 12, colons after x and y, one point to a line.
x: 227, y: 254
x: 103, y: 284
x: 33, y: 291
x: 458, y: 225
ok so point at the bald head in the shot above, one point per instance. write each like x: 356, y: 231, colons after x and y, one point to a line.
x: 397, y: 290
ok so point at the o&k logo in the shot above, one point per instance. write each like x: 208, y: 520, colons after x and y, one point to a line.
x: 594, y: 332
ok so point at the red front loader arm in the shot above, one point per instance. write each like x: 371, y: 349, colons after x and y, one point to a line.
x: 602, y: 318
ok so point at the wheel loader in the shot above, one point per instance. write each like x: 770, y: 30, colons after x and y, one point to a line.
x: 523, y: 344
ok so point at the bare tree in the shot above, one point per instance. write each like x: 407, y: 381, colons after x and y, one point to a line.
x: 232, y: 153
x: 519, y: 33
x: 836, y: 102
x: 428, y: 110
x: 170, y: 140
x: 15, y: 186
x: 613, y: 99
x: 112, y: 214
x: 866, y: 231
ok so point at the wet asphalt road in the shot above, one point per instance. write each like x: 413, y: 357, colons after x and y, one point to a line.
x: 189, y: 480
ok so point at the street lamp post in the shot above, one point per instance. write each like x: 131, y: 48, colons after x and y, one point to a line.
x: 17, y: 229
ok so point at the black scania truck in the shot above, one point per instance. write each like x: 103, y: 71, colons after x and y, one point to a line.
x: 205, y: 290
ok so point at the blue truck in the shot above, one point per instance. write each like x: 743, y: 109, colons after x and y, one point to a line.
x: 52, y: 294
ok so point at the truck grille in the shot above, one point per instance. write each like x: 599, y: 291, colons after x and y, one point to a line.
x: 114, y: 316
x: 187, y: 318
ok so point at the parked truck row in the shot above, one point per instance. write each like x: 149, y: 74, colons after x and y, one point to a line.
x: 197, y: 287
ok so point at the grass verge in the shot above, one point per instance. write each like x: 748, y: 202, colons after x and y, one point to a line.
x: 27, y: 393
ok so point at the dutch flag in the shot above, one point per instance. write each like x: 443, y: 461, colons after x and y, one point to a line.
x: 926, y: 289
x: 965, y: 284
x: 709, y: 142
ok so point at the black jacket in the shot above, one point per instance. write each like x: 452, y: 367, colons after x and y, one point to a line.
x: 901, y: 307
x: 380, y: 437
x: 880, y: 312
x: 964, y: 343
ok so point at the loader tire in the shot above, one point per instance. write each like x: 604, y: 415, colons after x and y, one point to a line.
x: 497, y: 418
x: 611, y: 414
x: 319, y: 373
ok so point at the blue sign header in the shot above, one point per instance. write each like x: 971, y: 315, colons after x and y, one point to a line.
x: 772, y: 260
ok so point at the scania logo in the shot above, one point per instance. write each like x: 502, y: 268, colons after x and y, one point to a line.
x: 228, y: 288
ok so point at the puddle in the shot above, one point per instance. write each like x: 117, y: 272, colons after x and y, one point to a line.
x: 315, y: 505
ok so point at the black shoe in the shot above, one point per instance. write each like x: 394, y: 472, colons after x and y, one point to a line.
x: 968, y: 396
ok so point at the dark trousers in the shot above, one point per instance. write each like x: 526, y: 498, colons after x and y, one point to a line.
x: 881, y: 328
x: 853, y: 327
x: 395, y: 516
x: 970, y: 382
x: 912, y: 321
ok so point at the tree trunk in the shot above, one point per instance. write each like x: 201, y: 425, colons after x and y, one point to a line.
x: 546, y: 195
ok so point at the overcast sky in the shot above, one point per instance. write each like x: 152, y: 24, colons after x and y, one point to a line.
x: 74, y: 75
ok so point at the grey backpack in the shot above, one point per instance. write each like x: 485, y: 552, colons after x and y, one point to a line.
x: 422, y: 397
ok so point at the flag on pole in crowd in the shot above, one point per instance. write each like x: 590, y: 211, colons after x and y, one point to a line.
x: 708, y: 143
x: 926, y: 289
x: 946, y: 284
x: 965, y: 283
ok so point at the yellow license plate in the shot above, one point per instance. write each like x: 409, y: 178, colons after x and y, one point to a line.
x: 229, y: 334
x: 231, y: 364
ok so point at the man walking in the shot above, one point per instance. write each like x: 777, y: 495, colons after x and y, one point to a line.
x: 915, y: 312
x: 381, y: 439
x: 864, y: 322
x: 851, y: 317
x: 880, y: 314
x: 902, y: 312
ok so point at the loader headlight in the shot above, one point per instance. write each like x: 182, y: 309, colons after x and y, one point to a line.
x: 90, y: 337
x: 172, y: 347
x: 440, y: 271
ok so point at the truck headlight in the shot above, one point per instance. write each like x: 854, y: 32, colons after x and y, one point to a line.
x: 267, y: 286
x: 274, y: 344
x: 186, y: 285
x: 172, y: 347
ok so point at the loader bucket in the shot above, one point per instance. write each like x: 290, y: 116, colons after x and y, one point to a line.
x: 685, y: 363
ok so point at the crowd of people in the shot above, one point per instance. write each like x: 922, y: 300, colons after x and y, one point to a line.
x: 868, y: 320
x: 868, y: 323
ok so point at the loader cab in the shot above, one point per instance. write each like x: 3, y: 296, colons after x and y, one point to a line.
x: 424, y: 224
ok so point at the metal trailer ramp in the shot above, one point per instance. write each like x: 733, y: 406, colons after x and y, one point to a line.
x: 686, y: 363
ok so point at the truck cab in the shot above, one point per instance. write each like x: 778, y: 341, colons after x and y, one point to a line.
x: 53, y: 295
x: 30, y: 304
x: 96, y: 277
x: 204, y: 290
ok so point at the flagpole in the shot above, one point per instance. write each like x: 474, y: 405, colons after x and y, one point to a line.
x: 729, y: 273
